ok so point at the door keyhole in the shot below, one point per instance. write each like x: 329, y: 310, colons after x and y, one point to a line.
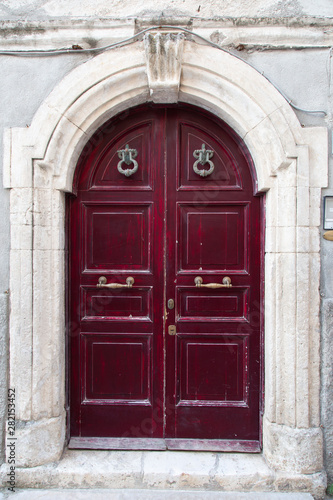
x: 171, y: 304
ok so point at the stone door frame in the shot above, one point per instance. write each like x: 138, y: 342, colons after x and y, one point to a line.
x: 291, y: 167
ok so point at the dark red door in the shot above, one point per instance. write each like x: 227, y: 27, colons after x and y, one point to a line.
x: 164, y: 353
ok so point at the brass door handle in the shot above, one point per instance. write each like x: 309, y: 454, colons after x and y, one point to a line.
x: 102, y: 283
x: 226, y: 283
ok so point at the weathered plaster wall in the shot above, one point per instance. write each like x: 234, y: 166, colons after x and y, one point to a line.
x: 305, y: 76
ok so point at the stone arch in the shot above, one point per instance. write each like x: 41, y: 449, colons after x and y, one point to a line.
x: 291, y: 166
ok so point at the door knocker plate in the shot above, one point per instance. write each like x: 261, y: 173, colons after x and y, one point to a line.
x: 127, y: 156
x: 203, y: 156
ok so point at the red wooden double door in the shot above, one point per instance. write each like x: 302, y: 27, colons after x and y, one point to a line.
x: 165, y: 286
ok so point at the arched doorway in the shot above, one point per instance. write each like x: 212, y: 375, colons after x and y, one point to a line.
x: 291, y: 167
x: 165, y: 286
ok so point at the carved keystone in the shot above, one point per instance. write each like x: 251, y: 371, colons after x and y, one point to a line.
x: 164, y: 59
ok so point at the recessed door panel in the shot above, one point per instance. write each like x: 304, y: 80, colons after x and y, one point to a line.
x: 121, y: 304
x: 213, y: 370
x: 165, y: 292
x: 106, y: 176
x: 213, y: 237
x: 118, y: 237
x: 106, y: 365
x: 225, y: 174
x: 201, y: 303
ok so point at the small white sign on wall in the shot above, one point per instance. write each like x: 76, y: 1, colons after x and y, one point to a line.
x: 328, y: 212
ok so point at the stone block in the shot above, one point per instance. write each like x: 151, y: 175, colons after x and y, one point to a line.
x: 87, y: 469
x: 315, y: 207
x: 42, y: 174
x: 269, y: 144
x: 271, y: 202
x: 297, y: 451
x: 314, y: 240
x: 270, y: 337
x: 21, y: 237
x: 21, y: 206
x: 105, y: 80
x: 7, y: 157
x: 303, y: 174
x: 317, y: 138
x: 303, y: 205
x: 286, y: 337
x: 315, y: 484
x: 283, y: 128
x: 39, y: 442
x: 286, y: 205
x: 243, y: 473
x: 232, y: 94
x: 21, y: 330
x: 164, y: 53
x: 303, y: 239
x: 42, y: 207
x: 182, y: 469
x: 21, y: 158
x: 210, y: 99
x: 58, y: 220
x: 286, y: 239
x: 271, y: 241
x: 47, y: 361
x: 43, y: 237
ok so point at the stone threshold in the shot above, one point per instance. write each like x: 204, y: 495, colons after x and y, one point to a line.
x: 165, y: 470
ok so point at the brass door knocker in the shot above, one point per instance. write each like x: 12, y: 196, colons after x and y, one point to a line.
x: 127, y: 156
x: 203, y: 156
